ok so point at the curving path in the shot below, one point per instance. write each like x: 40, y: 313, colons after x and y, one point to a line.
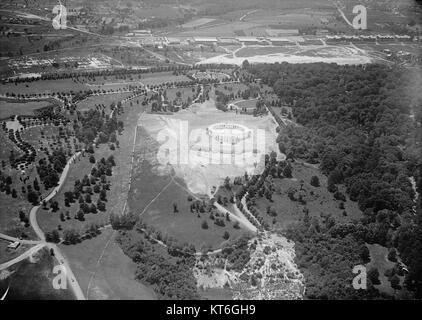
x: 57, y: 253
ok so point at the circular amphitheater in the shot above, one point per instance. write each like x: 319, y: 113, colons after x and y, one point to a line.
x: 228, y: 133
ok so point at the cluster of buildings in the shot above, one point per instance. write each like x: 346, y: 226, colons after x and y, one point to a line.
x: 369, y: 38
x: 147, y: 38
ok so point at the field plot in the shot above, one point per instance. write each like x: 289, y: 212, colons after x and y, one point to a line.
x: 43, y: 87
x: 106, y: 100
x: 317, y: 200
x: 184, y: 225
x: 104, y: 271
x: 162, y: 77
x: 308, y: 54
x: 197, y: 23
x: 11, y: 107
x: 258, y: 50
x: 235, y: 88
x: 162, y: 192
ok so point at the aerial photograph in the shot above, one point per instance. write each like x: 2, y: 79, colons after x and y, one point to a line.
x: 210, y: 150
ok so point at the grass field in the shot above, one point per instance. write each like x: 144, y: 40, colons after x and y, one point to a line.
x: 318, y: 200
x: 100, y: 265
x: 185, y: 94
x: 90, y: 102
x: 43, y: 87
x: 153, y: 194
x: 162, y: 77
x: 7, y: 146
x: 9, y: 108
x: 9, y: 216
x: 251, y: 51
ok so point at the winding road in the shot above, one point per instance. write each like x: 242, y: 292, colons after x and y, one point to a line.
x: 42, y: 242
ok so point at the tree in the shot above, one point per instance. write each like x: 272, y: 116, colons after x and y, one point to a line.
x: 245, y: 64
x: 71, y: 236
x: 54, y: 206
x: 97, y: 188
x: 226, y: 235
x: 93, y: 208
x: 80, y: 215
x: 33, y: 197
x: 315, y: 181
x: 103, y: 195
x: 373, y: 275
x: 395, y: 282
x: 227, y: 183
x: 101, y: 205
x: 52, y: 236
x: 92, y: 159
x: 204, y: 225
x: 22, y: 216
x: 392, y: 255
x: 287, y: 171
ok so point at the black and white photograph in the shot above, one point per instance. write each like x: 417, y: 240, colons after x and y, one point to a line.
x: 237, y: 151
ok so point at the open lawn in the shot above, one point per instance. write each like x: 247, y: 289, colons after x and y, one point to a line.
x: 104, y: 271
x: 43, y: 87
x: 49, y: 220
x: 185, y: 225
x: 7, y: 146
x: 379, y: 260
x: 317, y: 200
x: 10, y: 108
x: 90, y: 102
x: 161, y: 77
x: 153, y: 194
x: 10, y: 223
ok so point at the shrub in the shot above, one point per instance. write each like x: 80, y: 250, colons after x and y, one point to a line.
x: 315, y: 181
x: 204, y: 225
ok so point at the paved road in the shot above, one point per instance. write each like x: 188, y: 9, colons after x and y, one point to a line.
x: 13, y: 239
x: 23, y: 256
x: 57, y: 253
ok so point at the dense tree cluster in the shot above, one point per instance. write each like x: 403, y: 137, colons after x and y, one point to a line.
x: 171, y: 276
x: 355, y: 121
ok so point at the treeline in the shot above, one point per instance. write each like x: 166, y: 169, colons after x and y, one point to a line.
x: 122, y: 71
x: 355, y: 121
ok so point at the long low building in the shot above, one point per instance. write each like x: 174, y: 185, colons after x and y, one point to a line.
x: 251, y: 40
x: 278, y: 41
x: 204, y: 40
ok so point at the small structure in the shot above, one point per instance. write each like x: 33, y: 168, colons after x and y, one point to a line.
x: 14, y: 245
